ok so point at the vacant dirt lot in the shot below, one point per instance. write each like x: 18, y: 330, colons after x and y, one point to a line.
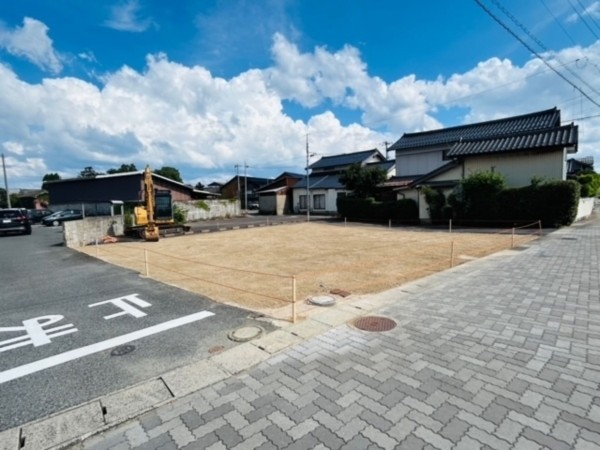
x: 255, y: 268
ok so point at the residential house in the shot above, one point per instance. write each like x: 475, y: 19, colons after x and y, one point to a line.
x: 277, y: 196
x: 243, y: 188
x: 521, y: 148
x: 579, y: 166
x: 324, y: 185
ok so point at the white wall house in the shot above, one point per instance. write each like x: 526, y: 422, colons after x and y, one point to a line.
x: 324, y: 185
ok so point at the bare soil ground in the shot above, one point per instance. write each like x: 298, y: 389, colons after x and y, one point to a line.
x: 255, y: 268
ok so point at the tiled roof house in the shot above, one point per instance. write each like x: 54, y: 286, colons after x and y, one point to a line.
x: 520, y: 147
x: 324, y: 184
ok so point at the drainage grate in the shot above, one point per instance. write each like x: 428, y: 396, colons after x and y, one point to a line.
x: 374, y: 323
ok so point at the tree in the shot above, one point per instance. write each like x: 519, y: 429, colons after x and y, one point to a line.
x: 123, y: 169
x: 362, y: 181
x: 590, y: 184
x: 199, y: 186
x: 3, y: 199
x: 89, y: 172
x: 170, y: 173
x: 50, y: 177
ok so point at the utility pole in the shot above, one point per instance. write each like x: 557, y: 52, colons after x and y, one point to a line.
x: 245, y: 187
x: 5, y: 182
x: 237, y: 175
x: 308, y: 155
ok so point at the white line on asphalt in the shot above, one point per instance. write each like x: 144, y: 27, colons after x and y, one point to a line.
x: 36, y: 366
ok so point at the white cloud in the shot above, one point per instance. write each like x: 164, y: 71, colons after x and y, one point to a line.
x: 185, y: 117
x: 125, y: 16
x: 31, y: 42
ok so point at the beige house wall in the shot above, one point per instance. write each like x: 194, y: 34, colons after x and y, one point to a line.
x: 519, y: 169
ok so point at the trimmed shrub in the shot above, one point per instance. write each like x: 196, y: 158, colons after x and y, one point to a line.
x: 369, y: 209
x: 590, y: 184
x: 481, y: 193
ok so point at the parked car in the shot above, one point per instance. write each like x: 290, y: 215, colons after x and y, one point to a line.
x: 36, y: 215
x: 56, y: 219
x: 14, y: 219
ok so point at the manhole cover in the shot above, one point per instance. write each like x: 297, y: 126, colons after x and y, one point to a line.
x: 374, y: 323
x: 322, y: 300
x: 122, y: 350
x: 245, y: 334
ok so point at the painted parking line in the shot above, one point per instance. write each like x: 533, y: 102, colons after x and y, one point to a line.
x: 61, y: 358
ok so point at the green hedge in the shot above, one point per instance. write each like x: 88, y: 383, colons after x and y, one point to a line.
x: 369, y: 209
x: 554, y: 203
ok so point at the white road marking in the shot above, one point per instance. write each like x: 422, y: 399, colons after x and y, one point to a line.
x: 36, y: 335
x: 36, y: 366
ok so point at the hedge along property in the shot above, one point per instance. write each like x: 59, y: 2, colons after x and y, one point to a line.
x: 519, y: 148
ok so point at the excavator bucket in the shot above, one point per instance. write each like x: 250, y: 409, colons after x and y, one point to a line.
x: 151, y: 234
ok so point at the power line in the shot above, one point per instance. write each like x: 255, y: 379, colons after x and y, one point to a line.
x: 583, y: 20
x: 593, y: 19
x: 528, y: 47
x: 539, y: 42
x: 559, y: 23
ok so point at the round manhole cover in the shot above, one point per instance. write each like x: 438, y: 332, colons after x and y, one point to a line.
x: 374, y: 323
x: 122, y: 350
x: 245, y: 334
x: 322, y: 300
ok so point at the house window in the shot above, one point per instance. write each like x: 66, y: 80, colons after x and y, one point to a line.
x: 319, y: 201
x: 303, y: 202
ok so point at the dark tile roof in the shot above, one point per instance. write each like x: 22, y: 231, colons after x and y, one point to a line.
x: 345, y: 159
x: 321, y: 182
x: 526, y: 123
x: 565, y: 136
x: 385, y: 165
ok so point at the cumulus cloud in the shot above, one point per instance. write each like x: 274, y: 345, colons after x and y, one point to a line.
x: 126, y: 16
x: 181, y: 116
x: 31, y: 41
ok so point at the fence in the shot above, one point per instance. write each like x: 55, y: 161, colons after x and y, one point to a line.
x: 304, y: 260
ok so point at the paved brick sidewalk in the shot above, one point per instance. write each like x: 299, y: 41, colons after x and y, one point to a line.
x: 501, y: 353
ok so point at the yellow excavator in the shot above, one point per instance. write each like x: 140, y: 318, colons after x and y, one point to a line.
x: 156, y: 211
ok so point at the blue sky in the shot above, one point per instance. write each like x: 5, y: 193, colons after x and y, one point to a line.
x: 203, y: 85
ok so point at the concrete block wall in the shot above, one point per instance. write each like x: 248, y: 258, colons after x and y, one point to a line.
x: 78, y: 233
x: 215, y: 209
x: 585, y: 208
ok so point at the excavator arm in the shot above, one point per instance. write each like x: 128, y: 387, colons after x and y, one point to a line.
x: 151, y: 231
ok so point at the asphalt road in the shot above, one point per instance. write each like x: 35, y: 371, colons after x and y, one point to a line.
x: 73, y: 328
